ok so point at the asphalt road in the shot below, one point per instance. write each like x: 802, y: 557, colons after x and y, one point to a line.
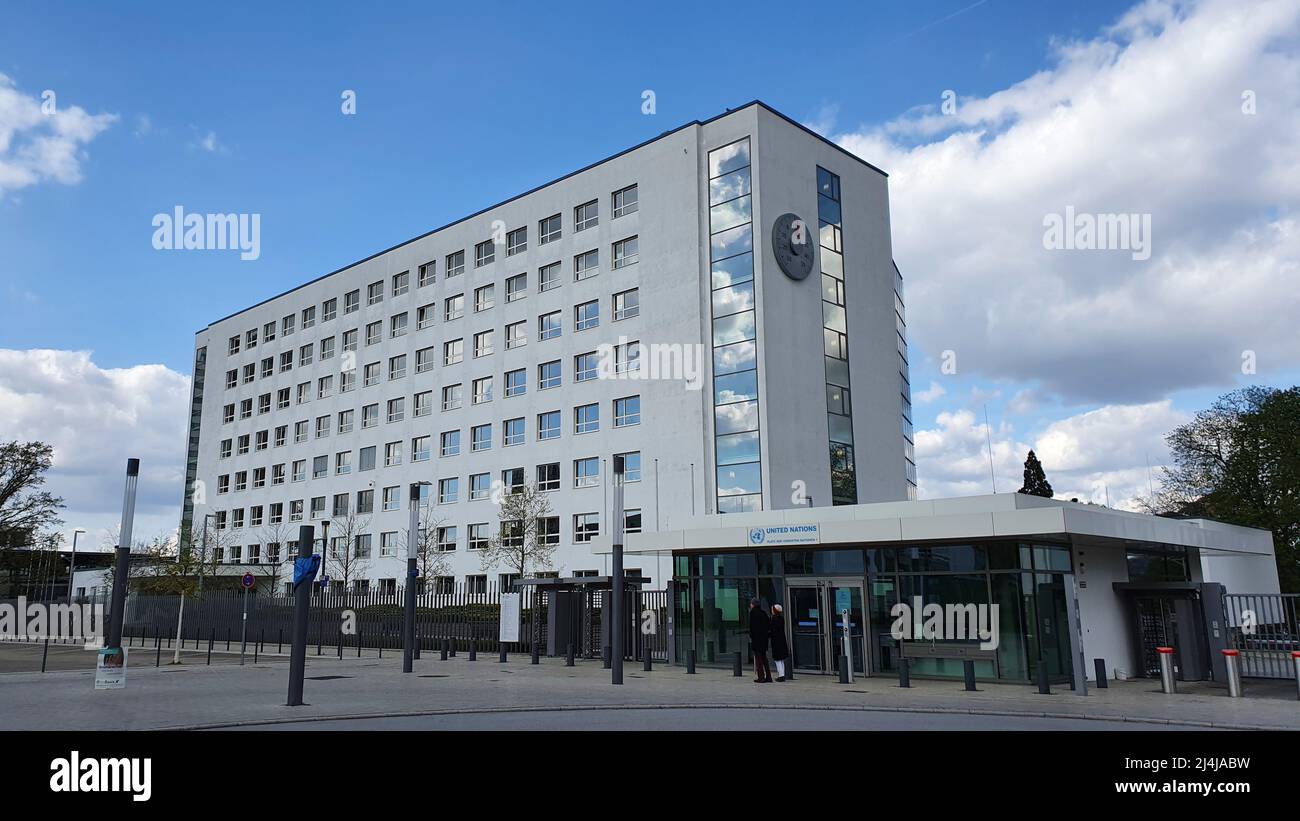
x: 765, y: 720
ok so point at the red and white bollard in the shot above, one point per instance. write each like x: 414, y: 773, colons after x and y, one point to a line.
x: 1166, y: 669
x: 1230, y: 658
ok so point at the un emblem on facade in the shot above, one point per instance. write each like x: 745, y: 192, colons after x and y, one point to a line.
x: 756, y: 535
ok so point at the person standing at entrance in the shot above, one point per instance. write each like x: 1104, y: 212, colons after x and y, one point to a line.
x: 759, y: 629
x: 776, y: 633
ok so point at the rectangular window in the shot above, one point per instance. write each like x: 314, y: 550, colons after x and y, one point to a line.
x: 516, y: 287
x: 424, y: 316
x: 352, y: 302
x: 548, y: 230
x: 548, y: 425
x: 329, y: 309
x: 548, y: 375
x: 343, y: 463
x: 308, y: 317
x: 625, y: 201
x: 586, y: 215
x: 446, y: 543
x: 327, y: 348
x: 392, y: 454
x: 369, y: 416
x: 453, y: 352
x: 483, y: 345
x: 627, y: 304
x: 586, y: 265
x: 392, y: 498
x: 631, y: 466
x: 482, y: 390
x: 516, y: 382
x: 426, y: 275
x: 625, y: 252
x: 455, y: 264
x: 480, y: 486
x: 484, y: 252
x: 449, y: 443
x: 371, y: 372
x: 548, y: 277
x: 586, y: 418
x: 397, y: 325
x: 480, y: 438
x: 425, y: 359
x: 423, y: 403
x: 586, y: 472
x: 448, y: 491
x: 286, y: 325
x: 517, y: 241
x: 484, y: 298
x: 367, y: 460
x: 268, y: 332
x: 586, y: 315
x: 513, y: 432
x: 516, y: 335
x: 479, y: 537
x: 286, y: 361
x: 374, y: 333
x: 397, y: 409
x: 421, y: 448
x: 548, y: 476
x: 586, y: 526
x: 375, y: 293
x: 627, y: 411
x: 401, y: 283
x: 345, y: 421
x: 453, y: 307
x: 397, y: 366
x: 586, y: 366
x: 549, y: 325
x: 451, y: 397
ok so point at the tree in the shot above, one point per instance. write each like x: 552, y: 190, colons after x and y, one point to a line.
x: 1036, y: 483
x: 280, y: 535
x: 430, y: 560
x: 345, y: 560
x: 1239, y: 461
x: 518, y: 544
x: 26, y: 511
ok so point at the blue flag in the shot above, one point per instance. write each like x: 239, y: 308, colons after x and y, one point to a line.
x: 304, y: 569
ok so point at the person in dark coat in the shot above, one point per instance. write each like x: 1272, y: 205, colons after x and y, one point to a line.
x: 776, y: 638
x: 759, y: 628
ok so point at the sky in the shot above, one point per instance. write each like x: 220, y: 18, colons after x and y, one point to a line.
x: 989, y: 117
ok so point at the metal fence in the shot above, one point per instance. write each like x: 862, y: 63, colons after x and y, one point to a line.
x: 353, y: 621
x: 1263, y: 629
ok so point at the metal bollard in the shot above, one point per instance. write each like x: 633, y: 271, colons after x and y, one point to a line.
x: 604, y: 657
x: 1231, y: 660
x: 445, y: 642
x: 212, y: 637
x: 502, y: 653
x: 737, y: 669
x: 537, y: 653
x: 646, y: 663
x: 473, y: 649
x: 1167, y: 684
x: 844, y: 669
x: 904, y: 672
x: 1044, y: 683
x: 1100, y: 666
x: 568, y: 656
x: 968, y: 672
x: 44, y: 653
x: 157, y: 659
x: 1295, y: 659
x: 690, y: 663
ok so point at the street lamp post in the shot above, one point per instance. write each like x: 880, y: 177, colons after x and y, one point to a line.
x: 320, y: 611
x: 72, y: 565
x: 617, y: 614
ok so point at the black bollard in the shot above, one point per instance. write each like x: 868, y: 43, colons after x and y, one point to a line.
x: 446, y: 643
x: 737, y: 669
x: 279, y: 643
x: 473, y: 649
x: 503, y: 659
x: 1044, y: 686
x: 604, y: 657
x: 844, y: 669
x: 44, y: 653
x: 211, y: 639
x: 157, y: 659
x: 690, y: 662
x: 568, y: 656
x: 904, y: 672
x: 646, y: 663
x: 256, y: 647
x: 789, y: 669
x: 227, y: 639
x: 536, y: 656
x: 1100, y: 665
x: 968, y: 670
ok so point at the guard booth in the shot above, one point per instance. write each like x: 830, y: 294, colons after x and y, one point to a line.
x: 1183, y: 615
x: 578, y: 613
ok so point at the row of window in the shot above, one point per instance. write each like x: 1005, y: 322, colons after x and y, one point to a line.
x: 550, y: 325
x: 586, y: 419
x: 585, y: 216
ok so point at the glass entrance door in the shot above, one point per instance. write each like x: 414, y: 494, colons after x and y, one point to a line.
x: 817, y: 625
x: 807, y: 629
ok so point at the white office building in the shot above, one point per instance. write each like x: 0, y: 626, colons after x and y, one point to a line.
x: 719, y: 305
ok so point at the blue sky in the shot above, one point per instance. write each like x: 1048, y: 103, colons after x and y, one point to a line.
x: 238, y: 110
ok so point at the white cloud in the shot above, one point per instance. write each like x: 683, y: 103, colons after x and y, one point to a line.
x: 1090, y: 455
x: 41, y: 138
x: 929, y: 394
x: 1147, y: 117
x: 97, y: 418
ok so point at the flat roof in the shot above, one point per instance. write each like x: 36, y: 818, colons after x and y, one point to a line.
x: 1004, y: 515
x: 534, y: 190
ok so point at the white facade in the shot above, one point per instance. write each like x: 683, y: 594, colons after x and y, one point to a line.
x: 674, y: 434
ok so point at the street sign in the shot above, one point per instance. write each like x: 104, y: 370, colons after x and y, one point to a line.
x: 248, y: 581
x: 843, y: 597
x: 324, y: 582
x: 510, y: 612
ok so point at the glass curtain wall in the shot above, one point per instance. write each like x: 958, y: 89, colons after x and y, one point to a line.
x: 835, y: 330
x: 735, y: 360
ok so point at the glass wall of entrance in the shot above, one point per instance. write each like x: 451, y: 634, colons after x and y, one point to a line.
x: 1024, y: 581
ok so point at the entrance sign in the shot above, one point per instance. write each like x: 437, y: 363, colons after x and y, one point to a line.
x: 784, y: 534
x: 110, y: 669
x: 843, y: 599
x: 510, y: 613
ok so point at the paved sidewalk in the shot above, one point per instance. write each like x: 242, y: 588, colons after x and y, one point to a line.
x: 195, y: 695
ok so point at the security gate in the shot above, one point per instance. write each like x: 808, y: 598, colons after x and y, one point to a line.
x: 1263, y: 629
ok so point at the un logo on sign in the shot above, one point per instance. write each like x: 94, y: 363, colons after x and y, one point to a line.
x: 756, y: 535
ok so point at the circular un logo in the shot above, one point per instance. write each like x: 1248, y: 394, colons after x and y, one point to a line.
x: 756, y: 535
x: 792, y: 243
